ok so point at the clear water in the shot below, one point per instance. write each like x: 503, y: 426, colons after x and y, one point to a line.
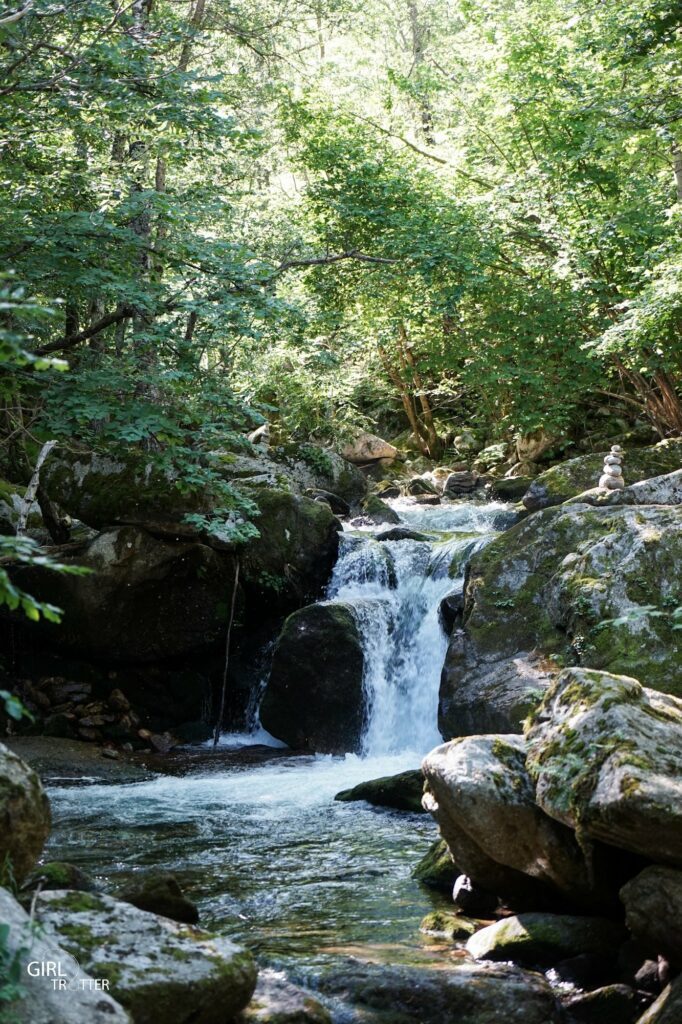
x: 254, y: 835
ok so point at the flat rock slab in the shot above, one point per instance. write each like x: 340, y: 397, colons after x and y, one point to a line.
x: 467, y: 994
x: 277, y: 1001
x: 160, y: 971
x: 44, y: 1003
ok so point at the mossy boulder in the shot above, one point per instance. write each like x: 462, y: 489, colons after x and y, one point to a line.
x: 85, y: 1002
x: 160, y: 971
x: 567, y: 479
x: 653, y: 911
x: 448, y: 924
x: 540, y: 940
x: 479, y: 792
x: 568, y: 585
x: 437, y: 869
x: 314, y: 697
x: 401, y: 792
x: 290, y: 562
x: 24, y: 817
x: 605, y: 755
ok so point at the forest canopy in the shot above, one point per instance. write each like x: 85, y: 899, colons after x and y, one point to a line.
x: 422, y: 214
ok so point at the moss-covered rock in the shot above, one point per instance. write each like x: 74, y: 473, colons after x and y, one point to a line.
x: 401, y: 792
x: 567, y: 479
x: 57, y: 874
x: 606, y: 758
x: 24, y: 817
x: 85, y: 1002
x: 160, y: 971
x: 378, y: 512
x: 449, y: 924
x: 569, y: 585
x: 314, y: 698
x: 480, y: 794
x: 437, y: 869
x: 535, y: 940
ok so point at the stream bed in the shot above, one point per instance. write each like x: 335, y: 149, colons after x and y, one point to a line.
x: 252, y: 832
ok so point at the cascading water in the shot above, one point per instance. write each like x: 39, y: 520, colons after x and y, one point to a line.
x: 395, y: 587
x: 254, y: 835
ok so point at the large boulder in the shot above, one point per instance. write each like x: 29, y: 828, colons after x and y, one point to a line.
x: 299, y: 468
x: 160, y: 971
x: 401, y: 792
x: 465, y: 994
x: 86, y: 1001
x: 314, y: 698
x: 606, y: 758
x: 540, y: 940
x: 659, y: 490
x: 277, y: 1001
x: 574, y: 584
x: 24, y: 816
x: 653, y: 911
x: 368, y: 448
x: 567, y: 479
x: 480, y: 794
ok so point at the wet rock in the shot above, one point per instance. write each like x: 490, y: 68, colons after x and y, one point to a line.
x: 377, y: 511
x: 473, y: 899
x: 159, y: 971
x: 427, y: 499
x: 450, y: 611
x: 277, y: 1001
x: 575, y: 584
x: 24, y: 816
x: 543, y: 939
x: 401, y: 792
x: 314, y: 698
x: 480, y: 794
x: 368, y: 448
x: 569, y: 478
x: 460, y: 483
x: 448, y: 924
x: 586, y: 970
x: 57, y: 874
x: 420, y: 485
x: 606, y: 757
x: 510, y: 488
x: 466, y: 994
x: 41, y: 1003
x: 436, y: 869
x: 613, y: 1004
x: 160, y: 894
x: 401, y: 533
x: 338, y: 506
x: 668, y: 1007
x: 653, y: 911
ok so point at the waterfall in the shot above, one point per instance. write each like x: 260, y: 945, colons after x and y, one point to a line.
x: 395, y: 588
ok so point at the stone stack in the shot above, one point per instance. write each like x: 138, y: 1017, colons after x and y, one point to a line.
x: 612, y: 476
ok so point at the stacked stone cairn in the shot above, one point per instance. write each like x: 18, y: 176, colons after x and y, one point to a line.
x: 612, y: 476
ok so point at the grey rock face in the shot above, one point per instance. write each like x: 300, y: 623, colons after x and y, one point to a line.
x: 24, y: 814
x: 653, y: 911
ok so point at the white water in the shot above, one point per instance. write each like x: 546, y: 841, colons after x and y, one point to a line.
x: 395, y: 588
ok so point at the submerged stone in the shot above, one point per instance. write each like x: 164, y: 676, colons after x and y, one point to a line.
x: 543, y: 939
